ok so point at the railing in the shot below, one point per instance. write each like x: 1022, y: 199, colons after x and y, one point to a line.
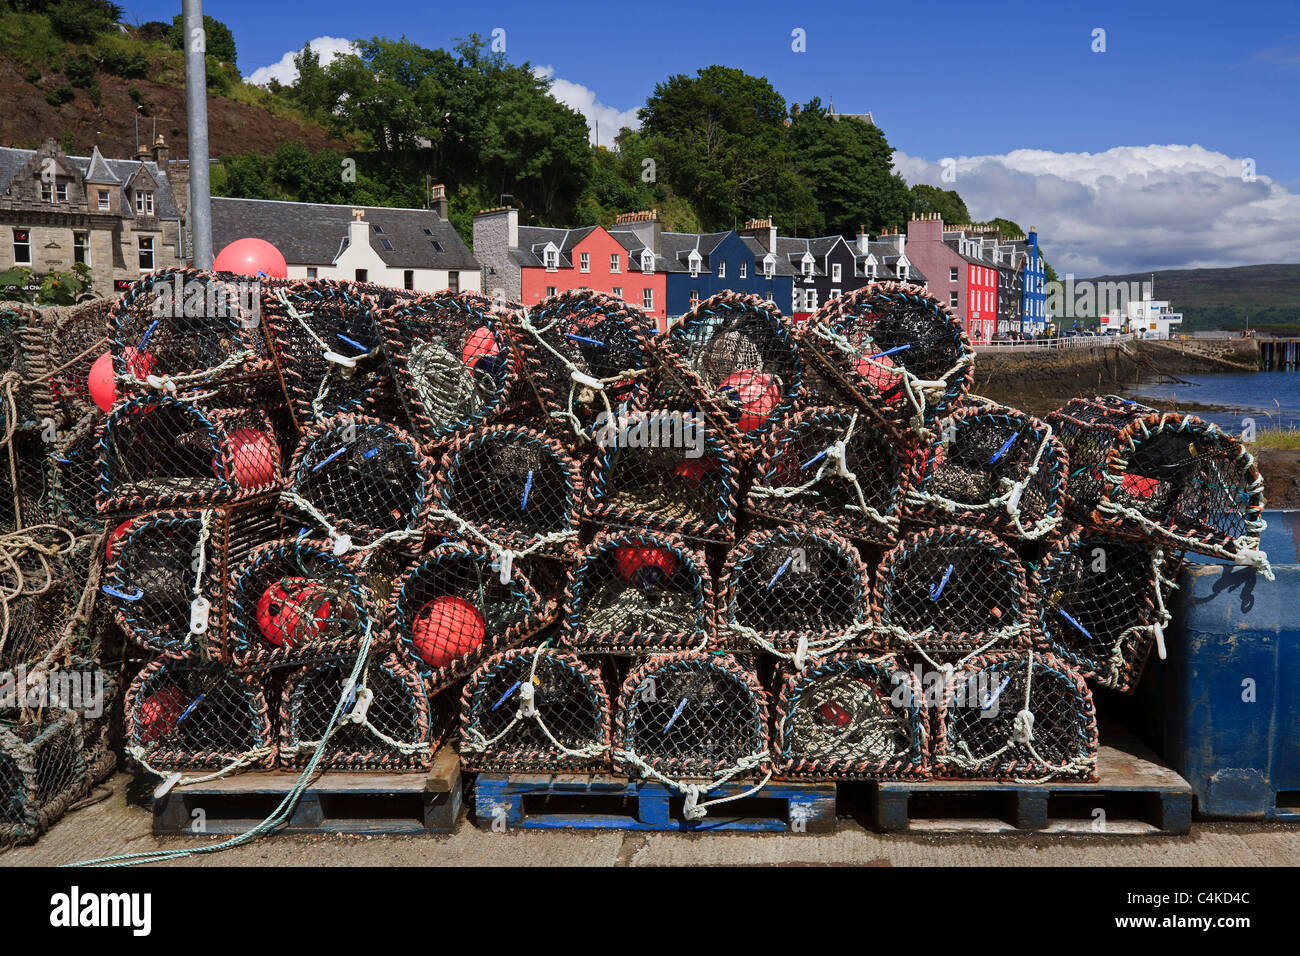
x: 1061, y: 342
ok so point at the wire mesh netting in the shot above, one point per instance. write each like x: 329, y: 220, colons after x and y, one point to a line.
x: 851, y: 716
x: 692, y: 715
x: 25, y: 499
x: 296, y: 600
x: 399, y: 729
x: 830, y: 468
x: 991, y: 467
x: 952, y: 589
x: 182, y: 329
x: 42, y: 772
x: 512, y: 488
x: 1103, y: 605
x: 585, y: 356
x: 453, y: 360
x: 451, y: 611
x: 665, y: 469
x: 639, y: 590
x: 895, y: 350
x: 734, y: 356
x: 40, y: 586
x: 327, y: 346
x: 72, y: 475
x: 362, y: 478
x: 796, y: 594
x: 1022, y: 716
x: 534, y: 709
x: 166, y: 452
x: 183, y: 715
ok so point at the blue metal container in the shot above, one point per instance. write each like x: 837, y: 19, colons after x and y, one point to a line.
x: 1224, y: 708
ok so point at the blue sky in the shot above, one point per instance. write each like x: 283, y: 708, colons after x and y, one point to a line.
x: 974, y: 82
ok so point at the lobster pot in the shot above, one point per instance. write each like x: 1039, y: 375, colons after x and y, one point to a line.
x: 1088, y: 429
x: 852, y: 717
x: 193, y: 328
x: 363, y: 478
x: 184, y: 715
x: 42, y: 772
x: 1183, y: 483
x: 159, y: 564
x: 586, y: 358
x: 830, y: 468
x: 991, y: 467
x: 295, y: 600
x: 24, y: 352
x: 512, y: 485
x: 692, y: 715
x: 636, y: 591
x: 893, y: 349
x: 561, y: 724
x: 25, y: 501
x: 663, y: 469
x: 791, y: 592
x: 167, y: 452
x: 735, y: 356
x: 952, y: 589
x: 453, y: 361
x: 327, y: 347
x: 1103, y: 606
x: 451, y: 611
x: 72, y: 475
x: 39, y: 593
x: 402, y: 726
x: 1016, y: 716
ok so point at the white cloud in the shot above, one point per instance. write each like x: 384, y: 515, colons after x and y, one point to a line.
x: 1128, y: 209
x: 601, y: 119
x: 327, y: 48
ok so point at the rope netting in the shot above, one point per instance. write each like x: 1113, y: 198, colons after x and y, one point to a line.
x: 361, y: 481
x: 585, y: 355
x: 991, y: 467
x: 72, y: 475
x: 179, y: 330
x: 830, y: 468
x: 798, y: 595
x: 1022, y: 716
x: 451, y: 611
x: 951, y: 589
x: 692, y: 717
x: 168, y: 452
x: 534, y: 709
x: 74, y: 338
x: 853, y: 717
x: 188, y: 715
x: 896, y: 350
x: 1088, y: 429
x: 734, y: 355
x: 296, y: 600
x: 390, y: 723
x: 1103, y: 605
x: 514, y: 489
x: 43, y: 771
x: 453, y: 360
x: 638, y: 591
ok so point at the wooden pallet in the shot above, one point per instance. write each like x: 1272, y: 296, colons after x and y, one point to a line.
x: 1135, y: 792
x: 334, y: 802
x: 604, y: 802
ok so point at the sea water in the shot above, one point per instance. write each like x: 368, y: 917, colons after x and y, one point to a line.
x: 1235, y: 397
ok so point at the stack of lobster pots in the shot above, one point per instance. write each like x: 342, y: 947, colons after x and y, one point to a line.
x: 347, y: 523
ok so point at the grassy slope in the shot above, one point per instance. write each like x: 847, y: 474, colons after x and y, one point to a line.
x: 1225, y: 297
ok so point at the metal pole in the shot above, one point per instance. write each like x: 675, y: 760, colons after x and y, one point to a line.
x: 196, y: 113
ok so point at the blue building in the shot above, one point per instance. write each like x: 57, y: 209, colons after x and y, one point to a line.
x: 1034, y: 298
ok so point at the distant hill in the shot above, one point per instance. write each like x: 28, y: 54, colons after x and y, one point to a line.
x: 1267, y: 295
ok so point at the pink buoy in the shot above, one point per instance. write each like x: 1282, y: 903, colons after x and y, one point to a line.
x: 252, y: 257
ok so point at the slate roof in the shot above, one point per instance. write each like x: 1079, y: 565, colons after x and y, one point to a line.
x: 121, y: 171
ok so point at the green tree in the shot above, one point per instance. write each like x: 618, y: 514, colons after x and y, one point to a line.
x: 80, y: 21
x: 946, y: 202
x: 218, y: 41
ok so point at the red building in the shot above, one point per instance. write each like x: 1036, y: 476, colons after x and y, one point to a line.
x: 959, y: 273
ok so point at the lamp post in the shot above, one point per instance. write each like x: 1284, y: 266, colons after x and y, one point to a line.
x: 196, y: 115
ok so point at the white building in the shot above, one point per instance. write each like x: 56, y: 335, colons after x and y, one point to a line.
x: 1146, y: 317
x: 401, y: 248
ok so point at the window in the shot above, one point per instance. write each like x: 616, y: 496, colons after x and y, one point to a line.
x: 22, y: 247
x: 796, y: 300
x: 613, y: 262
x: 408, y: 279
x: 835, y: 272
x: 81, y: 247
x: 769, y: 269
x: 144, y: 203
x: 695, y: 298
x: 311, y: 272
x: 585, y: 262
x: 722, y: 270
x: 146, y: 253
x: 47, y: 192
x: 552, y: 260
x: 952, y: 273
x: 437, y: 246
x: 361, y: 275
x: 695, y: 265
x: 952, y: 300
x: 550, y: 291
x: 648, y: 300
x: 810, y: 299
x: 618, y: 292
x: 807, y: 267
x: 61, y: 192
x: 647, y: 262
x: 769, y: 295
x: 378, y: 229
x: 386, y: 244
x: 834, y: 294
x: 902, y: 272
x: 453, y: 281
x: 744, y: 270
x: 428, y: 232
x: 103, y: 198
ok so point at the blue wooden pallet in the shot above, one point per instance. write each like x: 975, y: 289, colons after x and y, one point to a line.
x: 606, y: 802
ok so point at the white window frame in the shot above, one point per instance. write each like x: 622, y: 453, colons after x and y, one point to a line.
x: 60, y: 192
x: 836, y: 272
x: 84, y: 247
x: 695, y: 262
x: 550, y: 291
x: 953, y: 300
x: 647, y: 262
x: 647, y: 300
x: 102, y: 200
x: 144, y: 244
x: 47, y: 192
x: 618, y: 291
x: 694, y: 298
x: 24, y: 245
x: 551, y: 258
x: 614, y: 263
x: 584, y: 262
x: 722, y: 269
x: 769, y: 268
x: 954, y: 274
x: 744, y: 270
x: 144, y: 202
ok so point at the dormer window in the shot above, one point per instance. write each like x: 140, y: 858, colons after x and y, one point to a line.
x: 806, y: 266
x: 647, y: 262
x: 769, y: 267
x: 695, y: 261
x: 902, y: 271
x: 552, y: 260
x: 144, y: 203
x: 102, y: 199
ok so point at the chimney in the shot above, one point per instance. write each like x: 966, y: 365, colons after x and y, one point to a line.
x: 160, y: 153
x: 863, y: 240
x: 358, y: 230
x: 645, y: 225
x: 438, y: 200
x: 763, y: 230
x: 490, y: 223
x: 142, y: 153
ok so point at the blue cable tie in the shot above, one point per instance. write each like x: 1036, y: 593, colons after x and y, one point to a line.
x: 1082, y: 630
x: 507, y: 694
x: 896, y: 348
x: 1006, y: 445
x: 935, y: 592
x: 352, y: 342
x: 583, y: 338
x: 528, y: 486
x: 779, y: 572
x: 676, y: 714
x: 319, y: 465
x: 148, y: 332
